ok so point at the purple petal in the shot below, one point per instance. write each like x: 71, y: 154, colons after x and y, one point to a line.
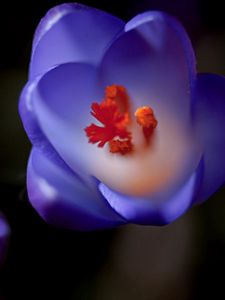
x: 31, y: 125
x: 55, y: 109
x: 209, y: 113
x: 155, y: 61
x: 61, y: 199
x: 154, y: 211
x: 72, y: 33
x: 4, y: 236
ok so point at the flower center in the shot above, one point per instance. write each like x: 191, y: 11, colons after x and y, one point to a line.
x: 115, y: 116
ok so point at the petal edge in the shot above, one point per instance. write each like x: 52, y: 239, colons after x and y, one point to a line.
x: 208, y: 114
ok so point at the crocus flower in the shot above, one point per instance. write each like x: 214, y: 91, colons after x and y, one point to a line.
x: 4, y: 236
x: 123, y: 128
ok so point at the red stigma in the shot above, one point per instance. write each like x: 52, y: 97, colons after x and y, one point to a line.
x: 113, y: 113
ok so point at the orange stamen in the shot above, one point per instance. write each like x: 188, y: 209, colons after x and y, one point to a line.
x: 122, y: 147
x: 145, y: 117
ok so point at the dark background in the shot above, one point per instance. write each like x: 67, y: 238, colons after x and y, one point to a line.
x: 184, y: 260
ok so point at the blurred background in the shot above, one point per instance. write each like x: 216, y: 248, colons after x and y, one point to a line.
x: 184, y: 260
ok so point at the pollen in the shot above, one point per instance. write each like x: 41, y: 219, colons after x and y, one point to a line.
x: 146, y: 119
x: 114, y: 116
x: 122, y: 147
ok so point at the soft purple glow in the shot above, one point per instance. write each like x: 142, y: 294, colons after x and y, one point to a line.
x: 77, y: 52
